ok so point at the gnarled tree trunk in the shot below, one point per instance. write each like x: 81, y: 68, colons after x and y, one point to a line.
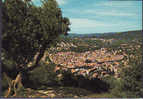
x: 15, y: 86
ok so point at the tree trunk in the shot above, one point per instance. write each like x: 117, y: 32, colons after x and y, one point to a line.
x: 40, y: 55
x: 15, y: 86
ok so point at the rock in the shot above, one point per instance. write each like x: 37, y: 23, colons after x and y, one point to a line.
x: 60, y: 76
x: 52, y: 95
x: 75, y: 96
x: 43, y: 96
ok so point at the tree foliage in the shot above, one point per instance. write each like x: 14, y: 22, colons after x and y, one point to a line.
x: 29, y: 30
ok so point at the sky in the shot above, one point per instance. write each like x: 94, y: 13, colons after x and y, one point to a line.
x: 101, y: 16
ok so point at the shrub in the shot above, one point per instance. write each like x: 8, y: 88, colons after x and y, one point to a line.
x: 130, y: 84
x: 43, y: 75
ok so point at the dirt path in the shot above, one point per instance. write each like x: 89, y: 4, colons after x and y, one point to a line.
x: 57, y: 92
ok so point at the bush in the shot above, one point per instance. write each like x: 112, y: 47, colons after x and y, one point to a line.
x: 43, y: 75
x: 132, y: 80
x: 111, y: 81
x: 130, y: 84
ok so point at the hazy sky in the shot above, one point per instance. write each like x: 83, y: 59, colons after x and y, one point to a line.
x: 99, y: 16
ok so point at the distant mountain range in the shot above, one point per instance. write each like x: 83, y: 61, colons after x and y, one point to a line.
x: 137, y: 33
x: 83, y: 35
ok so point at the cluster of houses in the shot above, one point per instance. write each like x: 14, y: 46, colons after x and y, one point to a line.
x: 94, y: 64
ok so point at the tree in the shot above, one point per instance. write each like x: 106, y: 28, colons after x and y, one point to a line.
x: 130, y: 84
x: 132, y: 80
x: 30, y: 30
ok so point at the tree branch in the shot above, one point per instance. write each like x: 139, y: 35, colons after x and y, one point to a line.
x: 40, y: 55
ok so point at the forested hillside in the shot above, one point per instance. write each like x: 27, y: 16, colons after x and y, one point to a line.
x: 124, y: 35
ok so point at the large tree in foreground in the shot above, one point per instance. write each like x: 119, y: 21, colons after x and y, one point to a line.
x: 29, y: 30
